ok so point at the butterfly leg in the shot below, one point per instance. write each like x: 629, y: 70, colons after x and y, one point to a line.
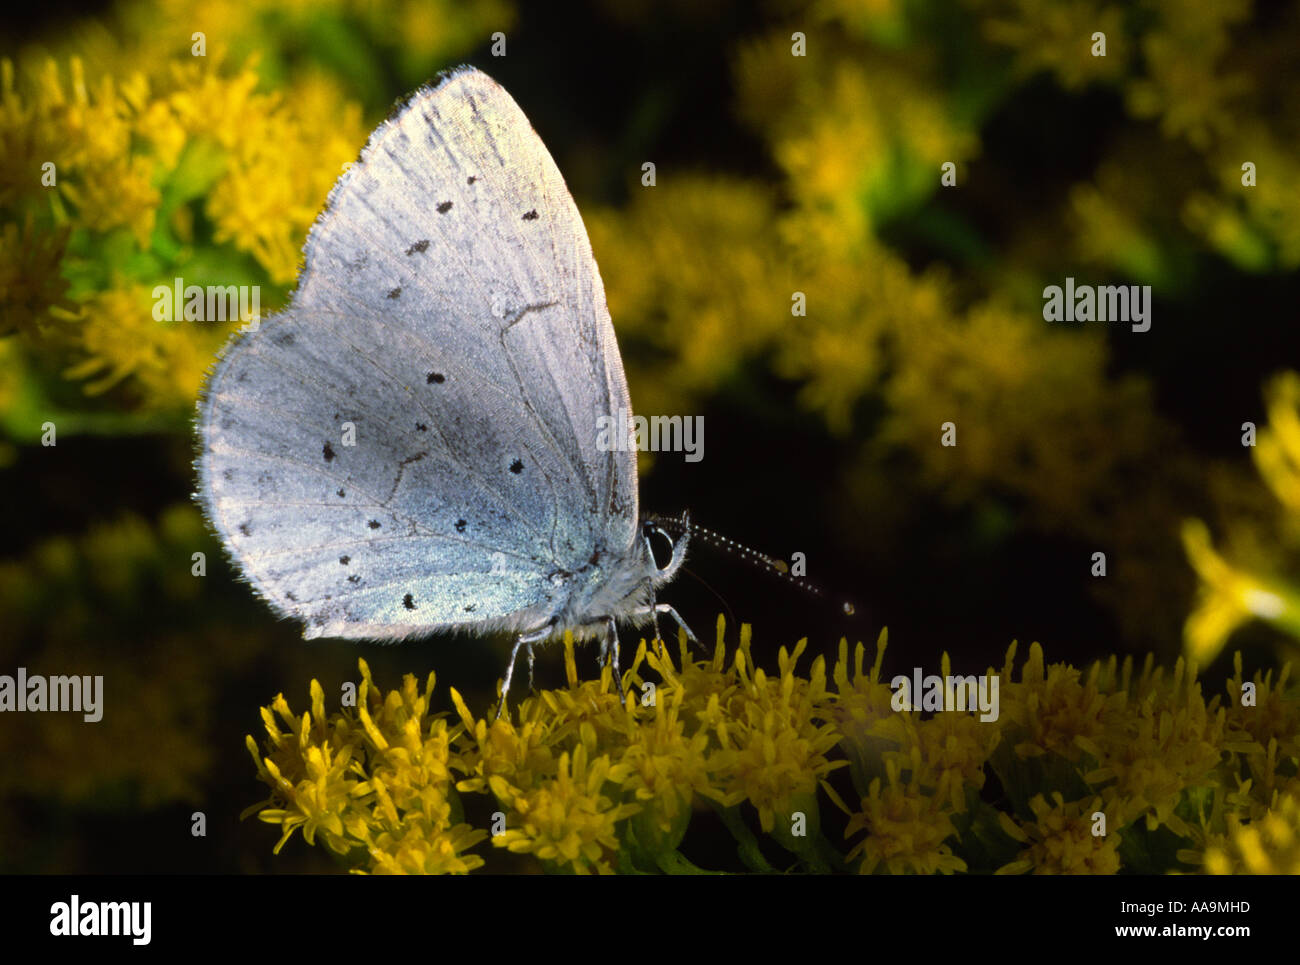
x: 654, y: 610
x: 667, y: 608
x: 525, y: 639
x: 531, y: 658
x: 654, y: 614
x: 611, y: 644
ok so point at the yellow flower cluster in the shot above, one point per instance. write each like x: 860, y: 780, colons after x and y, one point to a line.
x: 585, y: 784
x: 179, y: 143
x: 402, y: 810
x: 95, y: 166
x: 885, y: 353
x: 1259, y: 588
x: 1270, y: 846
x: 1204, y: 75
x: 1062, y: 839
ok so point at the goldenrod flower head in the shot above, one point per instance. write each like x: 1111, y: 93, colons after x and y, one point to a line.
x: 1265, y: 722
x: 33, y: 294
x: 1054, y: 711
x: 586, y: 784
x: 1228, y: 597
x: 1269, y: 846
x: 121, y: 340
x: 955, y: 749
x: 1065, y: 838
x: 1054, y: 36
x: 1229, y: 594
x: 92, y: 160
x: 666, y: 768
x: 570, y: 819
x: 772, y: 736
x: 1277, y: 450
x: 906, y: 828
x: 1169, y: 741
x: 862, y: 710
x: 378, y: 779
x: 500, y: 750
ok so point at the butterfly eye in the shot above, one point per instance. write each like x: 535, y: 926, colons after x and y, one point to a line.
x: 660, y: 542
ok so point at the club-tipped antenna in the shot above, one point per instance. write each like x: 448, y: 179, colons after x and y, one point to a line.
x: 760, y: 561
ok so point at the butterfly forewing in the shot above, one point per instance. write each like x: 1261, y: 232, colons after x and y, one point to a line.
x: 412, y: 444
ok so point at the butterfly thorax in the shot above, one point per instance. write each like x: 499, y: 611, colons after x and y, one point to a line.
x: 615, y: 584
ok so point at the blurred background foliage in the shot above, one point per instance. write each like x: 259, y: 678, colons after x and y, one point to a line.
x: 775, y: 174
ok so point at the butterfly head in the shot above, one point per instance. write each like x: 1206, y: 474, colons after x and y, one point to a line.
x: 665, y: 541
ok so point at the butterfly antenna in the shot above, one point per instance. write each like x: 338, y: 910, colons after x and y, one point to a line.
x: 759, y: 561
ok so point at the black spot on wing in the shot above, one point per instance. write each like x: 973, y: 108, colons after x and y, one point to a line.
x: 328, y: 452
x: 421, y: 245
x: 408, y: 601
x: 435, y: 378
x: 395, y: 293
x: 531, y: 215
x: 444, y: 207
x: 373, y: 524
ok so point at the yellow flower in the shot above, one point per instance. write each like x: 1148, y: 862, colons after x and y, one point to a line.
x: 1228, y: 597
x: 772, y: 735
x: 587, y: 785
x: 1184, y: 85
x: 122, y: 150
x: 954, y: 748
x: 683, y: 306
x: 863, y: 713
x: 1063, y: 839
x: 418, y: 850
x: 501, y: 751
x: 121, y: 340
x: 1053, y: 710
x: 569, y: 820
x: 1277, y: 453
x: 1269, y: 718
x: 1168, y: 742
x: 1058, y: 36
x: 665, y: 767
x: 33, y: 293
x: 1231, y: 595
x: 377, y: 782
x: 308, y: 779
x: 1270, y: 846
x: 906, y: 827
